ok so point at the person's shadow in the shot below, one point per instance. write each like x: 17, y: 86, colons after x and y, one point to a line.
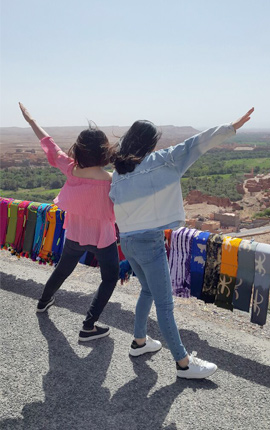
x: 132, y: 404
x: 73, y: 388
x: 240, y: 366
x: 75, y: 398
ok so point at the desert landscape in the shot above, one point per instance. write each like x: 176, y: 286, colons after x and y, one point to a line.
x: 227, y: 190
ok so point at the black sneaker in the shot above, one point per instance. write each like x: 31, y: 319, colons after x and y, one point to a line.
x: 43, y: 306
x: 86, y: 335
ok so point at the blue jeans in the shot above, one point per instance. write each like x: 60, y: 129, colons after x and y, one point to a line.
x: 147, y: 256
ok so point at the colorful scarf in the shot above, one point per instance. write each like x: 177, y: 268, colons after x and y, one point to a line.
x: 261, y: 284
x: 31, y: 218
x: 4, y: 205
x: 59, y: 236
x: 125, y: 271
x: 20, y: 228
x: 167, y: 237
x: 245, y: 275
x: 12, y: 222
x: 197, y: 262
x: 180, y: 256
x: 45, y: 253
x: 228, y: 272
x: 40, y: 226
x: 212, y: 267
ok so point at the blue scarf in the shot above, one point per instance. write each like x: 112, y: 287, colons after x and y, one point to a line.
x: 197, y: 262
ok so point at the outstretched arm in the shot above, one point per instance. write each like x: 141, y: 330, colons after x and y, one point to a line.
x: 39, y: 132
x: 186, y: 153
x: 241, y: 121
x: 56, y: 157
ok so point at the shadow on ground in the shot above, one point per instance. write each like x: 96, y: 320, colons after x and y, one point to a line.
x: 76, y: 302
x: 76, y: 399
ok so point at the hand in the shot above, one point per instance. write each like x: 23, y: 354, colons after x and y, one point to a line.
x: 25, y: 113
x: 241, y: 121
x: 39, y: 132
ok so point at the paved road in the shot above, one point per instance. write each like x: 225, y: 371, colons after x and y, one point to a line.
x: 51, y: 381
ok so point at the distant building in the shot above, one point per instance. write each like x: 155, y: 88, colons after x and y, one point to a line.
x: 227, y: 219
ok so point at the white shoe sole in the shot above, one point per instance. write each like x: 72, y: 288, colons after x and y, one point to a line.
x: 140, y: 351
x: 46, y: 307
x: 98, y: 336
x: 181, y: 374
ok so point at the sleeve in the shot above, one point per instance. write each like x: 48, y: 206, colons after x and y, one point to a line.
x: 56, y: 157
x: 185, y: 154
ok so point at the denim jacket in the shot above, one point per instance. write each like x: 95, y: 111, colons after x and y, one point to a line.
x: 150, y: 197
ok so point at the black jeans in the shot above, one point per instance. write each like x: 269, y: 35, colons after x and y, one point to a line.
x: 109, y: 269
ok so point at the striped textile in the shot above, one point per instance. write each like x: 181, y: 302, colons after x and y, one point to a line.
x: 180, y: 256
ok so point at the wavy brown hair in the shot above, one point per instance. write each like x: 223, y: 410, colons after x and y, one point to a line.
x: 91, y: 148
x: 139, y: 140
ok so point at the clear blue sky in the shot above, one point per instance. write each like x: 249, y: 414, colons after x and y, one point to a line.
x: 180, y: 62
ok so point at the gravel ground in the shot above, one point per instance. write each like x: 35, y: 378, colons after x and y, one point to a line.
x: 51, y: 381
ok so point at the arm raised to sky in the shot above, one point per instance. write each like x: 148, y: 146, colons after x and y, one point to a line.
x: 39, y: 132
x: 186, y: 153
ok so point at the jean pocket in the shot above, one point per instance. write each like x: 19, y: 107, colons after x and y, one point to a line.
x: 147, y: 251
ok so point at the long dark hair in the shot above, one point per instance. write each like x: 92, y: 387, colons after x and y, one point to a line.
x: 91, y: 148
x: 139, y: 140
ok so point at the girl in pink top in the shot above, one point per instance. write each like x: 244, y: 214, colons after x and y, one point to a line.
x: 89, y: 222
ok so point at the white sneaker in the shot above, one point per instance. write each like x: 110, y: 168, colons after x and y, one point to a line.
x: 150, y: 345
x: 196, y: 369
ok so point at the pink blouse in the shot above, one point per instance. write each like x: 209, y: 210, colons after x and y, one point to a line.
x: 90, y: 218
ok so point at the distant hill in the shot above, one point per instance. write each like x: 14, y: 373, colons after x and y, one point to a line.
x: 16, y: 137
x: 12, y: 138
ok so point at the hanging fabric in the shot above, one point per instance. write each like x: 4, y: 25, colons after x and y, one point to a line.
x: 4, y: 205
x: 228, y: 272
x: 59, y: 236
x: 12, y: 222
x: 167, y: 238
x: 197, y: 262
x: 212, y: 267
x: 40, y: 226
x: 180, y: 257
x: 261, y: 284
x: 45, y: 253
x: 31, y: 218
x: 89, y: 259
x: 125, y: 271
x: 245, y: 275
x: 20, y: 228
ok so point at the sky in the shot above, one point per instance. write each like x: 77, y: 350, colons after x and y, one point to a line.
x: 179, y: 62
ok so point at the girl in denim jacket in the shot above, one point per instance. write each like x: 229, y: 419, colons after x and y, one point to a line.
x: 147, y: 199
